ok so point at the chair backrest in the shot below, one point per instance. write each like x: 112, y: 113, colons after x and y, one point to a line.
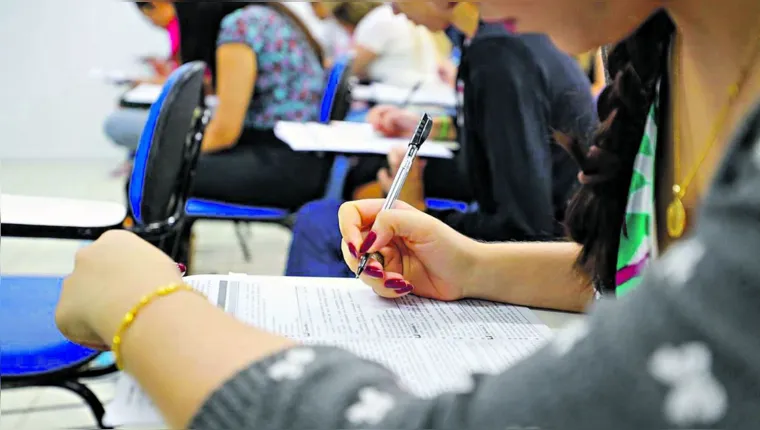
x: 336, y: 103
x: 169, y: 147
x: 336, y: 100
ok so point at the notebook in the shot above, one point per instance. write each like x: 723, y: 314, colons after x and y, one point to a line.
x: 406, y: 334
x: 351, y: 138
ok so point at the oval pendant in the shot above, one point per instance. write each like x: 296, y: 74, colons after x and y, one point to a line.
x: 676, y: 218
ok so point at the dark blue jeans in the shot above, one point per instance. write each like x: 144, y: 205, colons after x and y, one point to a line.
x: 315, y: 250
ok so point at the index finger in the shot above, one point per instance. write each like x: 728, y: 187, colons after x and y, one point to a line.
x: 358, y: 216
x: 355, y: 217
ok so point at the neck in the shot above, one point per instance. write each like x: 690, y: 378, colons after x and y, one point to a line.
x: 465, y: 18
x: 717, y: 40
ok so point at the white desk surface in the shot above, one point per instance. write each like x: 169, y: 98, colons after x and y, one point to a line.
x: 59, y: 212
x: 436, y: 95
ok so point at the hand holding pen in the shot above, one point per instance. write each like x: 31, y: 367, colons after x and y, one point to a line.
x: 419, y: 137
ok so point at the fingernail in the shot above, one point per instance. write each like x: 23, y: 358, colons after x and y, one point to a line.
x: 407, y: 290
x: 368, y: 242
x: 182, y: 268
x: 352, y: 250
x: 373, y: 272
x: 395, y: 283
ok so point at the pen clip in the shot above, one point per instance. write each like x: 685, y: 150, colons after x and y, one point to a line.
x: 423, y: 131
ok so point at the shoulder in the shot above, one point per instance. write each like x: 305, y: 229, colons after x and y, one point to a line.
x: 253, y: 15
x: 496, y: 55
x: 379, y: 18
x: 728, y: 221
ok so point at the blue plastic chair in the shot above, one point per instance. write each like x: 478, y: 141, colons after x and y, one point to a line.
x: 34, y: 352
x: 335, y: 105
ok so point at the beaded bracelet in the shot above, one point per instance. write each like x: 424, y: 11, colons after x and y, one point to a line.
x: 131, y: 315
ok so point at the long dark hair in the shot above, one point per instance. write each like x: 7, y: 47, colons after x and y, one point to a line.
x: 200, y: 22
x: 596, y: 213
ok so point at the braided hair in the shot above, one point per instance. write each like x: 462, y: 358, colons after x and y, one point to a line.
x: 596, y: 213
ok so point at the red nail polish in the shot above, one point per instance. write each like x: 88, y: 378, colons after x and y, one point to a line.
x: 368, y: 242
x: 406, y: 290
x: 395, y: 284
x: 352, y: 250
x: 373, y: 272
x: 182, y: 268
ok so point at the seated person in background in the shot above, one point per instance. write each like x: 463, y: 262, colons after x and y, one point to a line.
x: 388, y: 48
x: 447, y: 70
x: 266, y: 67
x: 335, y: 39
x: 592, y: 63
x: 124, y: 126
x: 517, y: 91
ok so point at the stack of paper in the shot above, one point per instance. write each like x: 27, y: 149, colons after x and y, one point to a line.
x: 433, y: 346
x: 350, y: 138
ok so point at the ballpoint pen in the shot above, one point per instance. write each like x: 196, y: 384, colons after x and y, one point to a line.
x: 419, y: 137
x: 411, y: 94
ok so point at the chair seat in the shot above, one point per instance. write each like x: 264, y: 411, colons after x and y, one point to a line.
x: 59, y: 212
x: 30, y: 341
x: 446, y: 205
x: 208, y: 209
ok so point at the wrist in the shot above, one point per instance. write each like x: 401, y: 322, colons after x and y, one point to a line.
x: 108, y: 316
x: 479, y: 257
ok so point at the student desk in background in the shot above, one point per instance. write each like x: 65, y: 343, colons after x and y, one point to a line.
x: 144, y: 95
x: 440, y: 96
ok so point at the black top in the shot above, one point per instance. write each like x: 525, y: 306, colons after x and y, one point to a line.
x: 515, y: 89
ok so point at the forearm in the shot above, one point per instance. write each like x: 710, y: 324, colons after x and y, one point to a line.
x: 536, y: 274
x: 181, y: 349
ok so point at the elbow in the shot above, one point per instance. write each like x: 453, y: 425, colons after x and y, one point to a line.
x: 222, y: 137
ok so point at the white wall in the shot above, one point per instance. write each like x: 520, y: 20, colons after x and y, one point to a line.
x: 51, y: 107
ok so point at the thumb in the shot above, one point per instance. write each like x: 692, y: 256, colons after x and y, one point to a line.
x: 412, y: 226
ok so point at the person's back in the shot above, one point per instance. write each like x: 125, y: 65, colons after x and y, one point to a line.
x: 571, y: 115
x: 402, y: 53
x: 289, y: 78
x: 517, y: 90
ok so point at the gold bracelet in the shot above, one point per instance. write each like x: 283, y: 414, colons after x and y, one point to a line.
x: 131, y: 315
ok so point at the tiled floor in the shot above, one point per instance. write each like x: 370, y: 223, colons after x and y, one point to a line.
x: 217, y: 252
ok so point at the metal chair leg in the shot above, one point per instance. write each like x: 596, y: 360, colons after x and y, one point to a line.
x: 88, y: 396
x: 242, y: 231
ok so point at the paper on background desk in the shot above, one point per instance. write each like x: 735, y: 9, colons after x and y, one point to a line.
x: 405, y: 334
x: 436, y: 95
x: 350, y: 138
x: 147, y: 94
x: 143, y: 94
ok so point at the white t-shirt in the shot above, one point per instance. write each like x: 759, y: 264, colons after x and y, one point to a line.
x: 335, y: 38
x: 406, y: 54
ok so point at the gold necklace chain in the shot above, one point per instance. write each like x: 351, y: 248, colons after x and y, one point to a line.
x: 676, y: 212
